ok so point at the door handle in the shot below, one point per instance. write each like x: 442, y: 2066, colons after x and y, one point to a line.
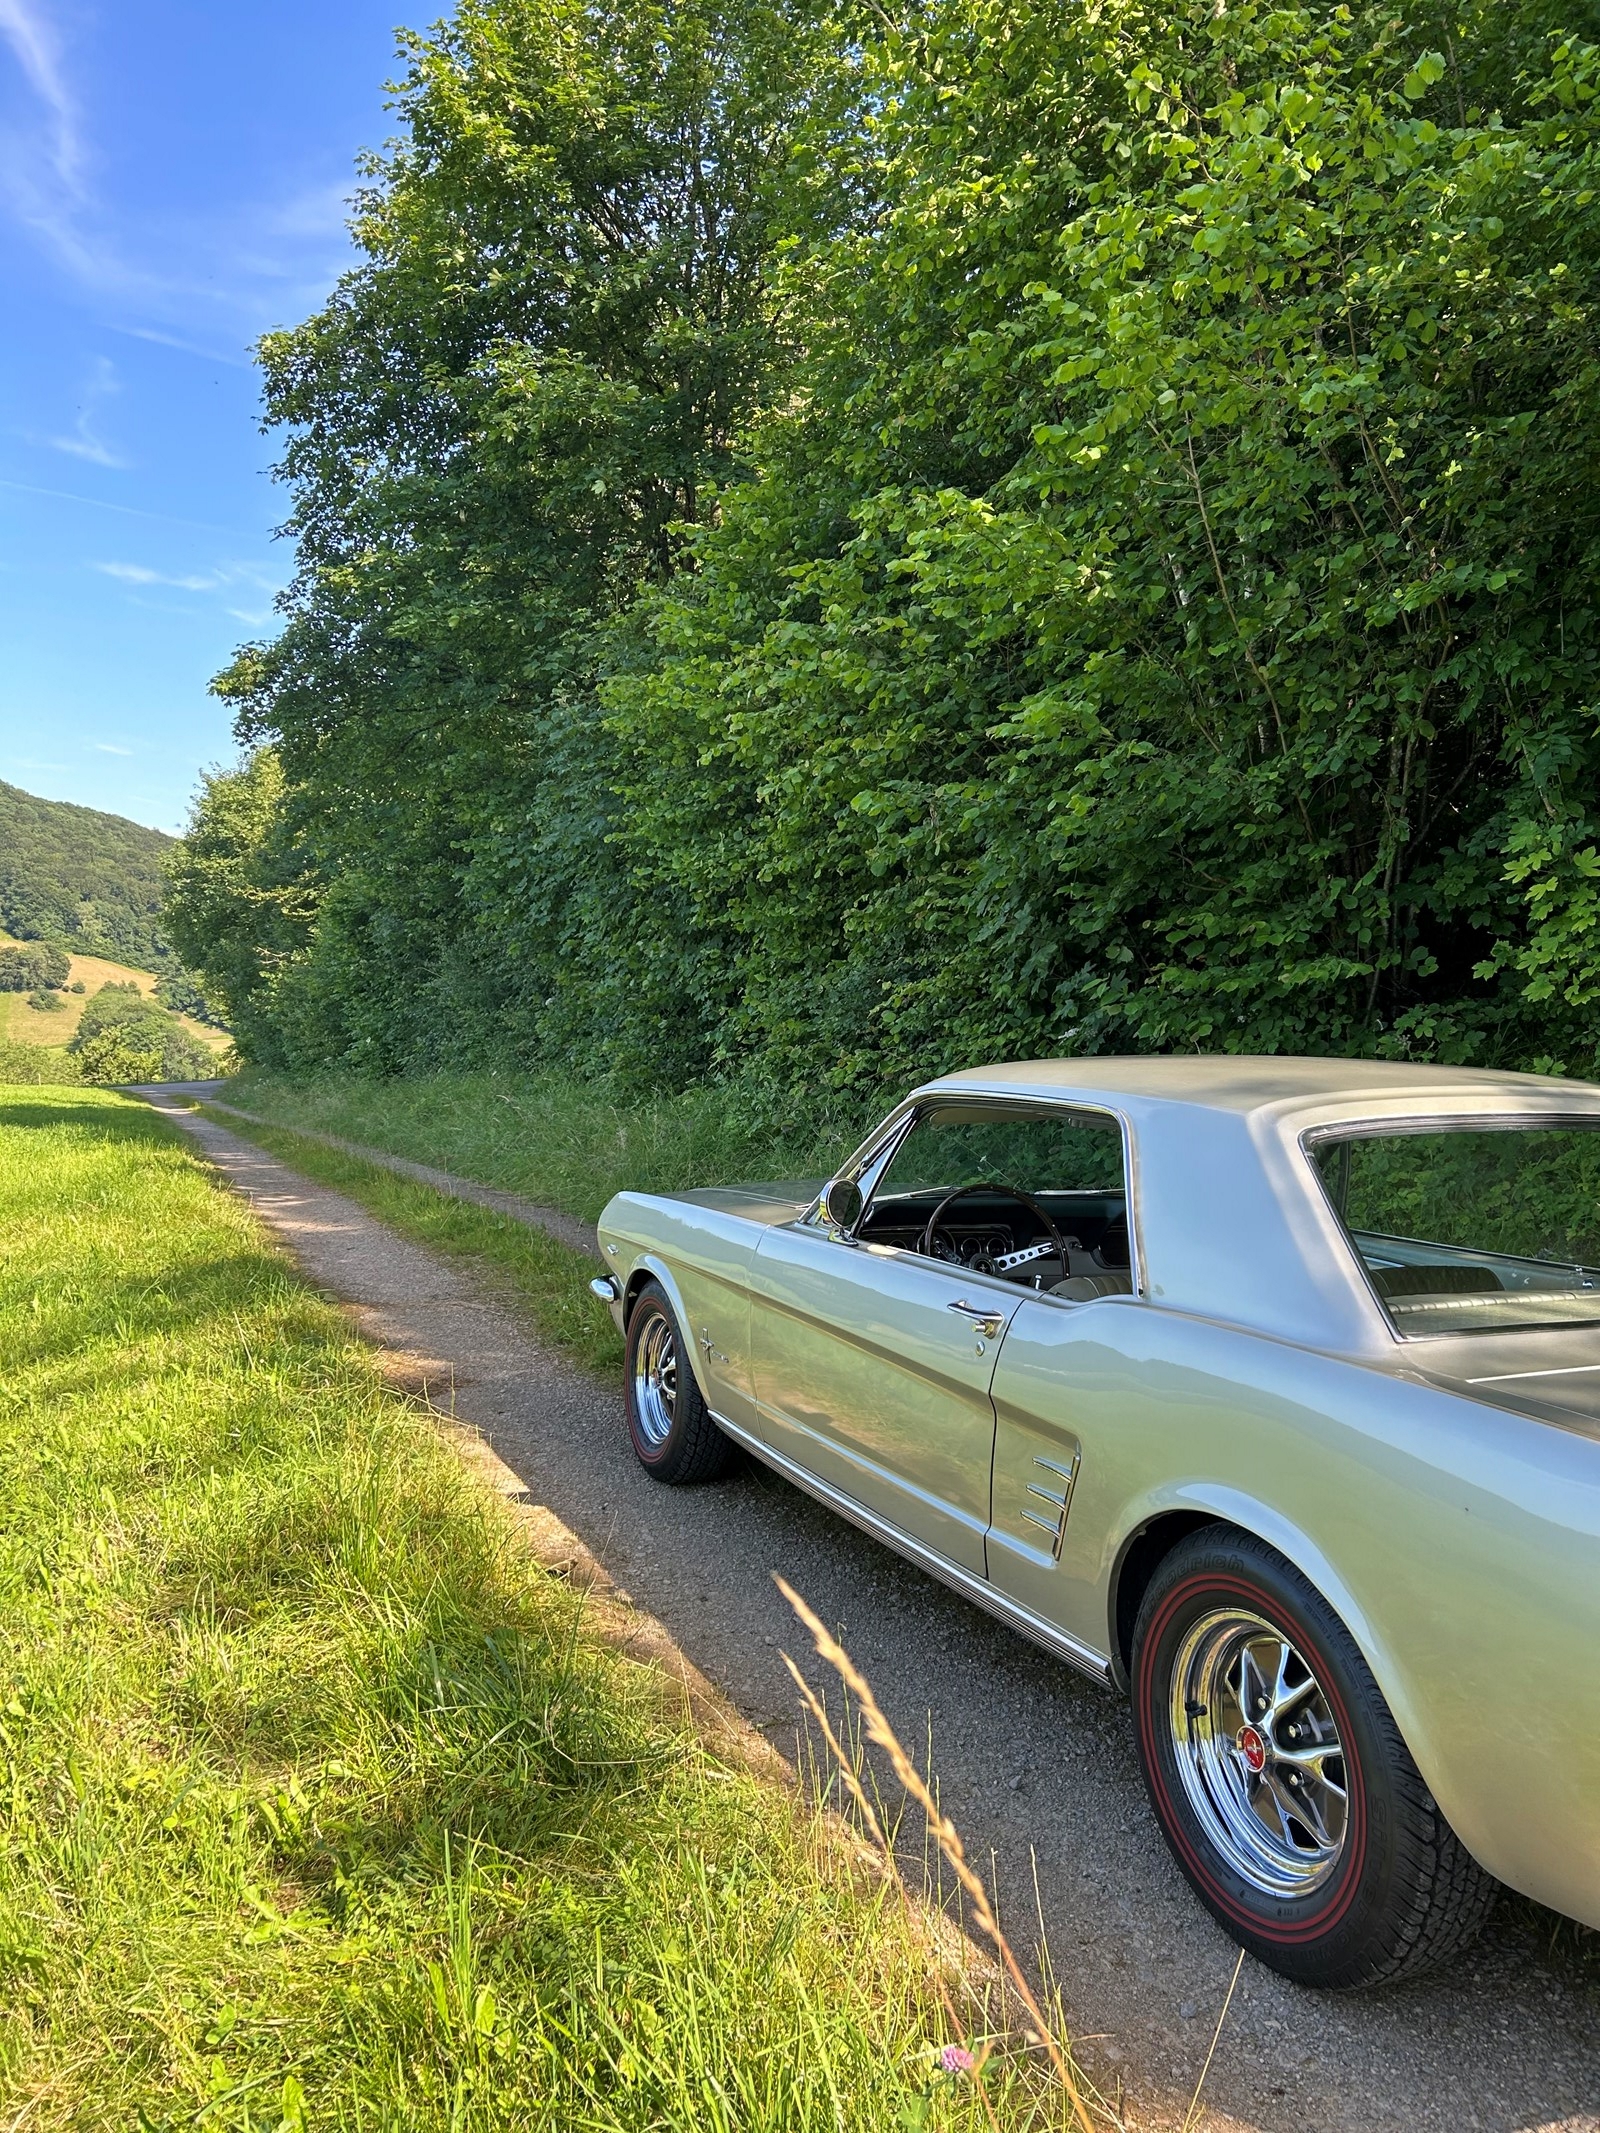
x: 985, y: 1317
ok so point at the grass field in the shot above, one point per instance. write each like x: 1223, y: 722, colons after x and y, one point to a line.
x: 320, y: 1808
x: 557, y: 1140
x: 22, y: 1024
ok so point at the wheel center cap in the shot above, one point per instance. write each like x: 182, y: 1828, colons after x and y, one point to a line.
x: 1252, y: 1750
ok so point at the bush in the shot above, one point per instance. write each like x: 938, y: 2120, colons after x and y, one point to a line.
x: 47, y: 1003
x: 33, y: 966
x: 121, y: 1055
x: 124, y: 1036
x: 112, y: 1004
x: 36, y: 1065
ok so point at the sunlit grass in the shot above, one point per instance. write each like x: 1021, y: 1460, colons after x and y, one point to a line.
x: 562, y: 1141
x: 319, y: 1806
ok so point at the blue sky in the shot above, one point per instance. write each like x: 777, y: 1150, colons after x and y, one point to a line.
x: 173, y: 179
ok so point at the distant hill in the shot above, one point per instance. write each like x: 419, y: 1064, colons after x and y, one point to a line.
x: 89, y: 880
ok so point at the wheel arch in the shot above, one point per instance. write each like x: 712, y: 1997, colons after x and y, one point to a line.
x: 1159, y: 1528
x: 1141, y: 1556
x: 649, y: 1268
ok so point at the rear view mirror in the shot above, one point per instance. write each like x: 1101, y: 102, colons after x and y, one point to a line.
x: 842, y: 1203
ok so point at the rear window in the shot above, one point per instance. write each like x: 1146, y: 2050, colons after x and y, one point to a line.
x: 1473, y: 1228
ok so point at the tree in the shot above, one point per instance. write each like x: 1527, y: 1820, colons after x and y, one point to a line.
x: 1161, y: 619
x: 116, y: 1058
x: 125, y: 1036
x: 496, y: 428
x: 34, y: 967
x: 241, y: 902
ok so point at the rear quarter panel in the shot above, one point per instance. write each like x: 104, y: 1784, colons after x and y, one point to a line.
x: 1459, y: 1543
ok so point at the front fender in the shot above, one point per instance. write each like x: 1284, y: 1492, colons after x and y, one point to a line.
x: 650, y: 1266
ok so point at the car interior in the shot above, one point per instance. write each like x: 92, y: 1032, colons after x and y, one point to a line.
x: 1472, y: 1229
x: 1031, y: 1196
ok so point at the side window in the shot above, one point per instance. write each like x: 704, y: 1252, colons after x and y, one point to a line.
x: 1040, y: 1196
x: 1034, y: 1152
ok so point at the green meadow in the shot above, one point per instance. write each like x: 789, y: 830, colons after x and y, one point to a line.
x: 322, y: 1806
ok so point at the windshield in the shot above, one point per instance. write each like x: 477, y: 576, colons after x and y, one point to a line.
x: 1473, y: 1228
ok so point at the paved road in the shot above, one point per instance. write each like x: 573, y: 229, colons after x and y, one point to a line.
x: 1031, y: 1758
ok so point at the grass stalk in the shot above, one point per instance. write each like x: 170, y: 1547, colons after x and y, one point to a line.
x: 947, y: 1836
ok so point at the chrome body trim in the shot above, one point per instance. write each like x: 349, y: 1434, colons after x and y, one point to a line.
x: 1058, y: 1641
x: 1060, y: 1498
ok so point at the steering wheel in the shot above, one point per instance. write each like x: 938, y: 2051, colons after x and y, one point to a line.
x: 1011, y: 1192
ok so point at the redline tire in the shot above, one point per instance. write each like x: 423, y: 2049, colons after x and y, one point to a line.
x: 674, y: 1437
x: 1327, y: 1894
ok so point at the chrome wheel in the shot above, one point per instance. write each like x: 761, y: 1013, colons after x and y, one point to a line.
x: 655, y: 1380
x: 1258, y: 1753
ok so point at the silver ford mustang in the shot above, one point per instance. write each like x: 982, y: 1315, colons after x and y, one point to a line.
x: 1265, y: 1389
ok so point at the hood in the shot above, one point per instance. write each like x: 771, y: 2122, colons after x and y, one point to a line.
x: 769, y: 1204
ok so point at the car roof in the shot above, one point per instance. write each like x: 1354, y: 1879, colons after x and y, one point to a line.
x: 1243, y: 1084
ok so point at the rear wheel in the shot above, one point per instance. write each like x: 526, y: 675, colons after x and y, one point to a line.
x: 674, y: 1437
x: 1280, y: 1778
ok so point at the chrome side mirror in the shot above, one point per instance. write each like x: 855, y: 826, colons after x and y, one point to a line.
x: 842, y: 1202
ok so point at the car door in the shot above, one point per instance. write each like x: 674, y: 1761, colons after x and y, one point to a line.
x: 872, y: 1359
x: 872, y: 1368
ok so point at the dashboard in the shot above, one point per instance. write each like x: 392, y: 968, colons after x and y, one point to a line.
x: 984, y: 1230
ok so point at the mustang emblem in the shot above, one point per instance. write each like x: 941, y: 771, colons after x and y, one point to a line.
x: 1252, y: 1750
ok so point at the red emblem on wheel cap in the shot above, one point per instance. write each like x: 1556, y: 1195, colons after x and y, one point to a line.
x: 1252, y: 1750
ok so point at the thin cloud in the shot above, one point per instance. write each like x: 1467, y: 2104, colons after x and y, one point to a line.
x: 100, y: 503
x: 34, y: 47
x: 42, y: 166
x: 110, y: 748
x: 85, y: 441
x: 316, y: 211
x: 222, y: 577
x: 137, y: 574
x: 241, y: 361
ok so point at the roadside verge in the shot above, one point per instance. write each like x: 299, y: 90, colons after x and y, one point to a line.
x: 406, y: 1297
x: 539, y: 1267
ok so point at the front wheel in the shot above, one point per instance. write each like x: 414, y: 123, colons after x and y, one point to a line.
x: 674, y: 1437
x: 1280, y: 1779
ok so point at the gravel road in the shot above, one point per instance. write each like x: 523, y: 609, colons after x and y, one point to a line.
x: 1034, y: 1762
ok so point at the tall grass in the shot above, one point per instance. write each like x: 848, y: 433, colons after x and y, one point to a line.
x: 319, y: 1805
x: 562, y: 1142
